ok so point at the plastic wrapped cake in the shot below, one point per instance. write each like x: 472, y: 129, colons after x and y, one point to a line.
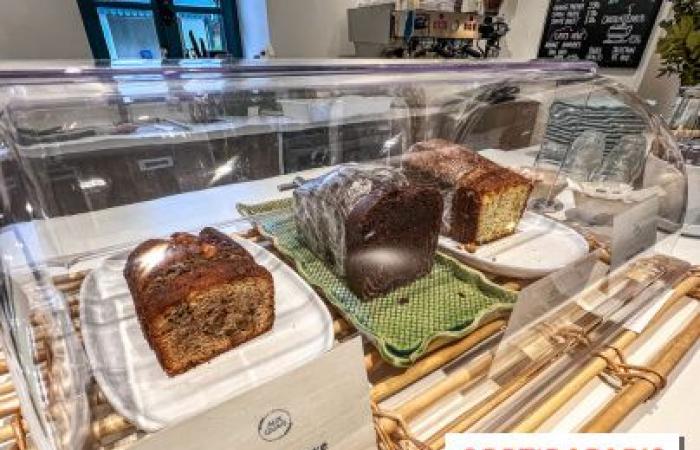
x: 370, y: 225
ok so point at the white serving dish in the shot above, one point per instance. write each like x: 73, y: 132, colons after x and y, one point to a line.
x: 538, y: 247
x: 131, y: 378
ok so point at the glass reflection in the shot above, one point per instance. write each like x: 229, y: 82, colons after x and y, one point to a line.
x: 129, y: 33
x: 201, y: 33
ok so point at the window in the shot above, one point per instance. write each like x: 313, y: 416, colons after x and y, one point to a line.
x: 129, y: 33
x: 154, y: 29
x: 203, y: 32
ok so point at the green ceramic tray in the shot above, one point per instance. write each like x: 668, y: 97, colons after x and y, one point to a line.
x: 450, y: 302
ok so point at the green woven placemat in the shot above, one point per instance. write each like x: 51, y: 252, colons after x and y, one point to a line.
x: 450, y: 302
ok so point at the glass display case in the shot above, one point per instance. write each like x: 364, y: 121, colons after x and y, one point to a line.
x: 97, y: 159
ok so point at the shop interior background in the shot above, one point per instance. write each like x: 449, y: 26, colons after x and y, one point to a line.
x: 39, y: 29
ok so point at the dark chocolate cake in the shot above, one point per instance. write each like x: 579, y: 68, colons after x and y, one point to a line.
x: 370, y: 226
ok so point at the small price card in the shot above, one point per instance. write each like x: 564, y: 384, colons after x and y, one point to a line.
x: 634, y: 230
x: 323, y: 405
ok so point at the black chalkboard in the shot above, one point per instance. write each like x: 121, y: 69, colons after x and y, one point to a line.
x: 612, y: 33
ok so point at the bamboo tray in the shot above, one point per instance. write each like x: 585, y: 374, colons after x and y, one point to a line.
x: 111, y: 431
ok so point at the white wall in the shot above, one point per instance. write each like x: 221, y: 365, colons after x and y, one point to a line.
x: 526, y: 19
x: 51, y: 29
x: 255, y: 33
x: 310, y: 28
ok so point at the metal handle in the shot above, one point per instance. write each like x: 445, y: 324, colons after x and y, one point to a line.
x: 146, y: 165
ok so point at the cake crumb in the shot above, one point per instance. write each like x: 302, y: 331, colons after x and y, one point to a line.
x: 469, y: 248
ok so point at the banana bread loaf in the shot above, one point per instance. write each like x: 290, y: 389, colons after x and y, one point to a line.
x: 482, y: 200
x: 370, y: 226
x: 198, y: 296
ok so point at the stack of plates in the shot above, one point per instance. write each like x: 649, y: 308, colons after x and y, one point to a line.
x: 568, y: 120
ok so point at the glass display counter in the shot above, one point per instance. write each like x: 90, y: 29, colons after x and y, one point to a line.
x: 178, y: 234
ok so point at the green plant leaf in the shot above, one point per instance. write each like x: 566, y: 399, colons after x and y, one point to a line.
x: 679, y: 48
x: 685, y: 25
x: 693, y: 41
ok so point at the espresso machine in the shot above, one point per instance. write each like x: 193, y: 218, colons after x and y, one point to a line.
x: 386, y: 32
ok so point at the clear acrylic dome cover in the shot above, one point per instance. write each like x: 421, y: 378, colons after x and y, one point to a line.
x: 99, y: 158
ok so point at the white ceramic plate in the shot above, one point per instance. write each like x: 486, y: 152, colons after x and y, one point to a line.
x: 538, y: 247
x: 126, y: 368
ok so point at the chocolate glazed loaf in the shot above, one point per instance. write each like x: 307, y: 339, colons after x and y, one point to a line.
x: 370, y: 226
x: 198, y: 296
x: 483, y: 201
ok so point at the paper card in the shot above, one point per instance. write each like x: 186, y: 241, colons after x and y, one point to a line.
x: 543, y: 296
x: 323, y: 405
x: 536, y: 302
x: 634, y: 230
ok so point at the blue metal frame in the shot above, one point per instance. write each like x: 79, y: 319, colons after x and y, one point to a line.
x: 168, y: 35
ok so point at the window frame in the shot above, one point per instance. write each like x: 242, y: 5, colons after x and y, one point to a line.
x: 169, y: 36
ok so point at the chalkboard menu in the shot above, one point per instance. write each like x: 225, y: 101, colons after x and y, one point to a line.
x: 613, y: 33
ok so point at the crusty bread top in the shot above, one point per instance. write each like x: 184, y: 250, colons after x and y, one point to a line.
x: 163, y: 272
x: 455, y: 165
